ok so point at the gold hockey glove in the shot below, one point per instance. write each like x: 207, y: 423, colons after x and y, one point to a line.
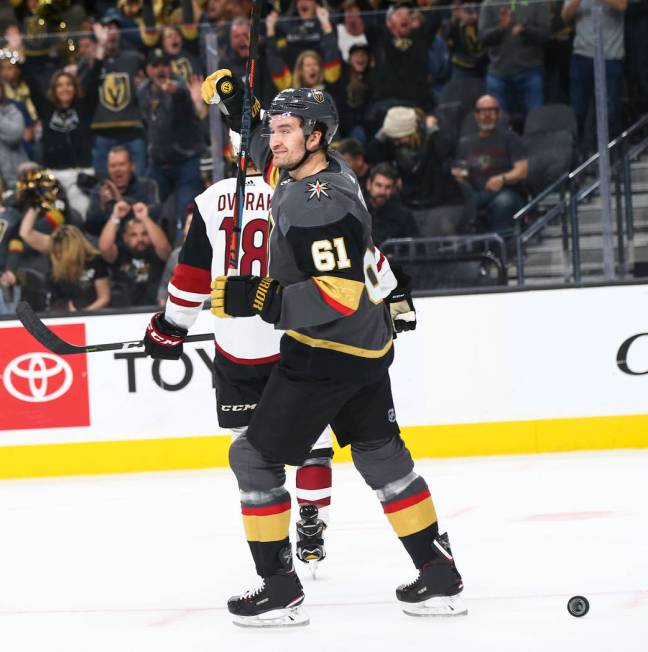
x: 226, y: 91
x: 246, y: 296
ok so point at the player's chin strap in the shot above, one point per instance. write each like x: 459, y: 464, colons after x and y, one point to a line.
x: 306, y: 156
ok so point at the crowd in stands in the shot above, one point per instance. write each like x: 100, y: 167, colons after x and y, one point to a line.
x: 102, y: 125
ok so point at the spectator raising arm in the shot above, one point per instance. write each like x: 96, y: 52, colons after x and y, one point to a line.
x: 279, y: 71
x: 536, y: 29
x: 108, y: 237
x: 330, y: 62
x: 195, y: 85
x: 156, y: 234
x: 494, y: 22
x: 569, y: 9
x: 332, y: 56
x: 40, y: 242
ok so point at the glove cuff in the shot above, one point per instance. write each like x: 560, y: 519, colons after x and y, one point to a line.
x: 267, y: 300
x: 164, y: 333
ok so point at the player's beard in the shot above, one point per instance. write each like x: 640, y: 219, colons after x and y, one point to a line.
x: 292, y: 163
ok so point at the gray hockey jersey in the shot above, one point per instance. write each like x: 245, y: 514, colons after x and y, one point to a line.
x: 321, y: 253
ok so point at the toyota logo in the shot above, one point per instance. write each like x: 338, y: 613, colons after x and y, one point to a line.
x: 40, y: 371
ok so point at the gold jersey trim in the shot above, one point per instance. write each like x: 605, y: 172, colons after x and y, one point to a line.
x: 338, y: 346
x: 342, y: 290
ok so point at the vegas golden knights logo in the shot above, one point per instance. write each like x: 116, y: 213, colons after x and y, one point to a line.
x: 115, y: 91
x: 3, y: 228
x: 182, y: 68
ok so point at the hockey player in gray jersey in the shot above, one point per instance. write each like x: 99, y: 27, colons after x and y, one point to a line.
x: 322, y: 289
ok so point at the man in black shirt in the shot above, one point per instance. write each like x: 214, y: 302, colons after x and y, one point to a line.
x: 236, y: 55
x: 173, y: 134
x: 137, y: 261
x: 494, y: 163
x: 400, y: 72
x: 389, y: 218
x: 117, y: 119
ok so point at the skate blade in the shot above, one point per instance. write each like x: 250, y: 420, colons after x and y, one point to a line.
x: 290, y: 617
x: 439, y: 606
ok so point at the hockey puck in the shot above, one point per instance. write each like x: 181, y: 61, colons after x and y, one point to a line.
x: 578, y: 606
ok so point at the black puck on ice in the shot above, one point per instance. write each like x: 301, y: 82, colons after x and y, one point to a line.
x: 578, y: 606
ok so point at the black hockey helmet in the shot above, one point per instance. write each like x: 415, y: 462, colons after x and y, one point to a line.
x: 311, y: 105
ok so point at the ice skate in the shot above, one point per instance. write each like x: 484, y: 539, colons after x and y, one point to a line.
x: 310, y: 539
x: 276, y: 603
x: 436, y: 590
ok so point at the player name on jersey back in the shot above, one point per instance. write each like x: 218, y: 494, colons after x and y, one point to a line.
x: 244, y: 339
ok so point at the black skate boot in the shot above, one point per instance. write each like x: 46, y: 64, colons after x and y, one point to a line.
x: 276, y: 603
x: 310, y: 539
x: 435, y: 592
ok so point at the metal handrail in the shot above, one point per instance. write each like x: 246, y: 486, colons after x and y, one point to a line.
x: 450, y: 244
x: 450, y: 249
x: 568, y: 184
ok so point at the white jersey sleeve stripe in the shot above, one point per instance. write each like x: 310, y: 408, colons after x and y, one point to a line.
x: 183, y: 316
x: 386, y: 277
x: 187, y: 296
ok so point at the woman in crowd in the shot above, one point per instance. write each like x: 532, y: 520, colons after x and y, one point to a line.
x: 65, y: 111
x: 311, y: 70
x: 78, y: 278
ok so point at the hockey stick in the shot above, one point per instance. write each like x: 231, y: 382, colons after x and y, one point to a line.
x: 54, y: 343
x: 246, y: 127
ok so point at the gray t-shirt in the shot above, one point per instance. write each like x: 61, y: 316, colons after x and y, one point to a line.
x: 489, y: 156
x: 613, y: 40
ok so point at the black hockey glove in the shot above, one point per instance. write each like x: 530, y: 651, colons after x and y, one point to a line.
x: 401, y: 308
x: 162, y: 340
x: 246, y: 296
x: 226, y: 91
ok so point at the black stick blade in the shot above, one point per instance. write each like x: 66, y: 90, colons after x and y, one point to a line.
x: 54, y: 343
x: 44, y: 335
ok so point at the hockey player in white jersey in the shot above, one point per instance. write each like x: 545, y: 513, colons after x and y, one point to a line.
x: 245, y: 349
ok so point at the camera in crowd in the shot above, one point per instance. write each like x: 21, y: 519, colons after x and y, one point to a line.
x: 38, y: 188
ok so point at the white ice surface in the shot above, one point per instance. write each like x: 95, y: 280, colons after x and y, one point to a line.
x: 145, y: 563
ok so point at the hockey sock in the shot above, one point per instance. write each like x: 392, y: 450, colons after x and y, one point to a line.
x: 412, y: 515
x: 266, y: 519
x: 313, y: 485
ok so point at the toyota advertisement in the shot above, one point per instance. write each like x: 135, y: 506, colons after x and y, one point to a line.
x: 476, y: 359
x: 40, y: 389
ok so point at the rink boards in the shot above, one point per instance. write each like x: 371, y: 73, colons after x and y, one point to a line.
x: 519, y: 372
